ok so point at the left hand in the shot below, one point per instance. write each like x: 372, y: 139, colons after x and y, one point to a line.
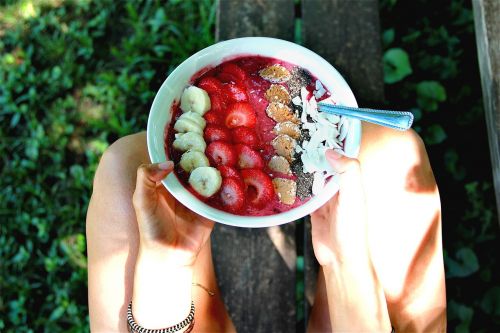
x: 165, y: 225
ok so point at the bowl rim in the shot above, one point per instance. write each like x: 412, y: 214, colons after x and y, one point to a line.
x: 173, y: 185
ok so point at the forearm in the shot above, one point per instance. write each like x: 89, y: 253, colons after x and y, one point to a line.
x: 162, y: 290
x: 356, y: 298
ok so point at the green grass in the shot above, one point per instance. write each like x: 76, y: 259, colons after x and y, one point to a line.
x: 74, y: 77
x: 77, y: 75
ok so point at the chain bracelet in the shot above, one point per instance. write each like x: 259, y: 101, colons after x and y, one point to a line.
x: 135, y: 328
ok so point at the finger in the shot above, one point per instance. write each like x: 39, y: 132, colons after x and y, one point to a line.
x: 341, y: 163
x: 148, y: 175
x: 351, y: 189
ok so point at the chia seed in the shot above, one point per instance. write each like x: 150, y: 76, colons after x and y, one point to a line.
x: 300, y: 78
x: 304, y: 180
x: 297, y: 109
x: 304, y: 135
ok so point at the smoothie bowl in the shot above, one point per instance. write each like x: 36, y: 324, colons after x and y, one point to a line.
x: 240, y: 121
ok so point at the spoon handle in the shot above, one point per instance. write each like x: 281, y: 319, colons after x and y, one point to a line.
x: 400, y: 120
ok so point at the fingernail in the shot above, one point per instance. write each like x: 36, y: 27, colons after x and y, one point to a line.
x: 333, y: 154
x: 165, y: 165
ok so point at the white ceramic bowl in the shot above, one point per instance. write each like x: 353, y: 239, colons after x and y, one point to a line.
x: 171, y: 89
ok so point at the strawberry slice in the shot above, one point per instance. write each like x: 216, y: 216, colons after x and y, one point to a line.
x: 213, y: 118
x: 216, y: 133
x: 259, y: 188
x: 232, y: 195
x: 236, y: 92
x: 232, y: 73
x: 229, y: 172
x: 210, y: 84
x: 248, y: 158
x: 217, y: 104
x: 221, y: 153
x: 240, y: 114
x: 245, y: 135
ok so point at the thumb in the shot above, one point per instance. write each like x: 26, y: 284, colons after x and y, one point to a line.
x: 351, y: 188
x: 148, y: 176
x: 341, y: 163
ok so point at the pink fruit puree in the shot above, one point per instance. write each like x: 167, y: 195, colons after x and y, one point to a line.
x: 256, y: 87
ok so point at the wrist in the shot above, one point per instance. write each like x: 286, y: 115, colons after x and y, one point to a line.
x: 356, y: 261
x: 359, y: 295
x: 166, y: 255
x: 345, y: 254
x: 162, y: 289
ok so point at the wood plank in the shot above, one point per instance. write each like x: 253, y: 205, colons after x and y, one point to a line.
x: 257, y: 284
x: 256, y: 267
x: 244, y: 18
x: 311, y: 267
x: 347, y: 34
x: 486, y: 20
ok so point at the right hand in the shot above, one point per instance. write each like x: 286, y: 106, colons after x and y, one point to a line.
x: 166, y: 226
x: 339, y: 228
x: 340, y: 242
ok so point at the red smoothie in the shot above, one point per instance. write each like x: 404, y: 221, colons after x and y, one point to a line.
x: 241, y: 135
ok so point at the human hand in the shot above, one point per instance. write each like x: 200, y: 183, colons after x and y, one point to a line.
x: 339, y: 229
x: 167, y: 227
x: 340, y: 242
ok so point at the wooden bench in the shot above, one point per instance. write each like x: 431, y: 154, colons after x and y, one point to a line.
x: 486, y: 14
x: 256, y: 268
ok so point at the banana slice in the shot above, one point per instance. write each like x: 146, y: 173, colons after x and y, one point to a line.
x: 189, y: 141
x: 205, y: 180
x: 193, y: 116
x: 195, y: 99
x: 193, y: 159
x: 187, y: 125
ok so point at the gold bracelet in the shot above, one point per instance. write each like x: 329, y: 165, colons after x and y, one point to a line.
x: 211, y: 293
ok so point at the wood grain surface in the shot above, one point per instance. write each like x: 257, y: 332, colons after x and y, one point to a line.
x: 347, y: 34
x: 244, y: 18
x: 256, y: 267
x: 487, y: 23
x: 257, y: 284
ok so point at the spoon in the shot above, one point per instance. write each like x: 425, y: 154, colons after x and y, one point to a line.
x: 400, y: 120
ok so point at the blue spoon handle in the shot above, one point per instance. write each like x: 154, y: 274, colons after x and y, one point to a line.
x: 400, y: 120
